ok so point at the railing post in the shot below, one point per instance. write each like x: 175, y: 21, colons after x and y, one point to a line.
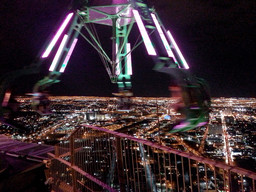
x: 57, y: 151
x: 215, y: 178
x: 72, y: 161
x: 183, y: 175
x: 206, y: 177
x: 197, y: 176
x: 190, y: 176
x: 120, y: 166
x: 229, y: 180
x: 242, y: 182
x: 176, y: 171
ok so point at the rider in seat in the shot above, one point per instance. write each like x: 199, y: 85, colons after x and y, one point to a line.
x: 193, y: 100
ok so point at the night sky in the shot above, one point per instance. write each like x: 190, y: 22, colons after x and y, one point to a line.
x: 217, y: 38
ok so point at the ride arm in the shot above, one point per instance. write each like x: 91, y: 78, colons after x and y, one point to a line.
x: 167, y: 57
x: 63, y: 53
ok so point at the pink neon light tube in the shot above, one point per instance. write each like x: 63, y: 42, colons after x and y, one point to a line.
x: 57, y: 35
x: 56, y: 58
x: 184, y: 62
x: 147, y: 41
x: 161, y: 33
x: 64, y: 65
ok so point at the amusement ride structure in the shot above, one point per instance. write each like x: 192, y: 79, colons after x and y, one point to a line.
x: 98, y: 159
x: 120, y: 15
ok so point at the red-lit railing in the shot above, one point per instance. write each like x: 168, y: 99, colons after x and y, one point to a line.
x: 97, y: 159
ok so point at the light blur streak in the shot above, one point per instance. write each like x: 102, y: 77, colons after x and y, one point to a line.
x: 6, y: 99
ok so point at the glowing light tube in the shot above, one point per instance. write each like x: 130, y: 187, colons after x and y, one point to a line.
x: 184, y: 62
x: 64, y: 65
x: 129, y: 59
x: 56, y: 58
x: 144, y: 34
x: 118, y: 71
x: 163, y: 38
x: 57, y: 35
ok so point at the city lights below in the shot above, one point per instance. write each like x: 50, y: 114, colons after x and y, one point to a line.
x: 226, y: 148
x: 229, y: 136
x: 143, y: 131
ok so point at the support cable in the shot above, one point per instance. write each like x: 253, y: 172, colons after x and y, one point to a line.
x: 103, y: 59
x: 137, y: 44
x: 97, y: 43
x: 109, y: 73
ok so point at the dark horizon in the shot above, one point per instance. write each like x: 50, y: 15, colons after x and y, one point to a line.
x: 217, y: 39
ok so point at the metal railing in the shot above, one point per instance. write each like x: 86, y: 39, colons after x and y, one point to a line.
x: 97, y: 159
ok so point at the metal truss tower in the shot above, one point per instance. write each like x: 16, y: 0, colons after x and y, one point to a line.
x: 121, y: 16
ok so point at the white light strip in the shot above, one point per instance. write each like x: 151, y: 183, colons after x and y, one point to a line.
x: 65, y: 63
x: 144, y: 34
x: 184, y: 62
x: 164, y: 40
x: 129, y: 59
x: 57, y: 35
x: 56, y: 58
x: 118, y: 71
